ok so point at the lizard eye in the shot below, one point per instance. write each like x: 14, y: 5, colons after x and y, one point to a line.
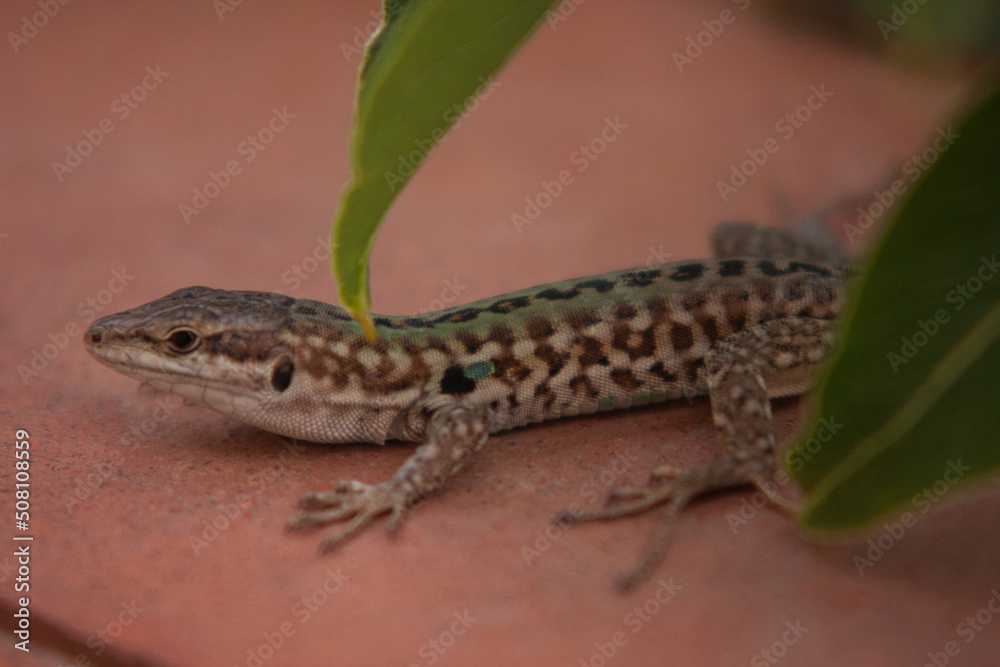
x: 183, y: 341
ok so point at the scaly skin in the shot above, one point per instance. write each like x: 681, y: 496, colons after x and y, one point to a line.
x: 740, y: 329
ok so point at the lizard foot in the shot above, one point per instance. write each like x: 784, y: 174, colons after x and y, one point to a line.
x: 350, y: 498
x: 682, y: 487
x: 454, y: 434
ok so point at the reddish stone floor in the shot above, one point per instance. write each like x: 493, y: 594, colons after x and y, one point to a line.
x: 158, y: 526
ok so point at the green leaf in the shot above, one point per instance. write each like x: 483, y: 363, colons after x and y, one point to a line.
x: 429, y: 60
x: 909, y: 409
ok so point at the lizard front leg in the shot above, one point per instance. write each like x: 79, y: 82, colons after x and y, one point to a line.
x: 741, y: 411
x: 454, y: 433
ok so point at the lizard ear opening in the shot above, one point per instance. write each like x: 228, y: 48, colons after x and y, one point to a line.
x: 281, y: 377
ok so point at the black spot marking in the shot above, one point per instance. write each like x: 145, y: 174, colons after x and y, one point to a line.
x: 390, y: 322
x: 625, y: 311
x: 553, y: 294
x: 795, y: 291
x: 681, y: 337
x: 455, y: 382
x: 694, y: 301
x: 659, y: 310
x: 539, y: 328
x: 710, y: 327
x: 687, y: 272
x: 306, y: 310
x: 622, y: 340
x: 509, y: 305
x: 769, y: 268
x: 732, y: 267
x: 458, y: 316
x: 623, y: 377
x: 599, y: 284
x: 581, y: 384
x: 494, y: 405
x: 641, y: 278
x: 437, y: 344
x: 661, y: 372
x: 554, y: 360
x: 691, y: 368
x: 591, y: 353
x: 512, y: 400
x: 469, y: 340
x: 510, y: 369
x: 502, y: 334
x: 579, y: 319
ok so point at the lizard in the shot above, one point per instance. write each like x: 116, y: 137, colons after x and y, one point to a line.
x: 745, y: 327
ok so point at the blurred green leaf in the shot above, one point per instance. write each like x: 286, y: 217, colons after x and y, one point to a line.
x: 910, y: 405
x: 430, y: 59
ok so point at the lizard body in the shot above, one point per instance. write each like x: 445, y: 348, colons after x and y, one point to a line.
x: 740, y: 329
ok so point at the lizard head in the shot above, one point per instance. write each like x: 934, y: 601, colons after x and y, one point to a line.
x: 246, y: 354
x: 210, y: 345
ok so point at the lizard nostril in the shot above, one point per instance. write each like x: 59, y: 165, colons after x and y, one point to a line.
x: 95, y: 337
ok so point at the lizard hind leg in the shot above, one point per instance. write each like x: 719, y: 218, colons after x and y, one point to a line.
x: 741, y: 411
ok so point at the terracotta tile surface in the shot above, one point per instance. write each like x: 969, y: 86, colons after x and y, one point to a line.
x: 158, y: 525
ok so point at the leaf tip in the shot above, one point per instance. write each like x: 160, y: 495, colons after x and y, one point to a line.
x: 364, y: 318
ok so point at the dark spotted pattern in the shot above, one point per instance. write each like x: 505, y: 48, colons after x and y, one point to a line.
x: 551, y: 350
